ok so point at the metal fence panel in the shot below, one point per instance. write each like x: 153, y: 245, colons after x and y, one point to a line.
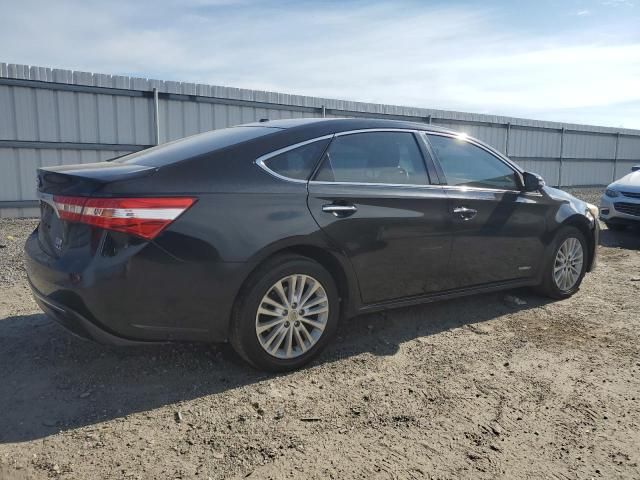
x: 9, y: 186
x: 18, y: 167
x: 7, y: 118
x: 629, y: 148
x: 495, y: 136
x: 56, y: 116
x: 587, y: 172
x: 548, y: 168
x: 623, y: 167
x: 534, y: 143
x: 580, y: 145
x: 9, y: 212
x: 47, y: 115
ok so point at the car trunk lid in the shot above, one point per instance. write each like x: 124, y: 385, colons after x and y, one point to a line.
x: 57, y: 234
x: 85, y: 179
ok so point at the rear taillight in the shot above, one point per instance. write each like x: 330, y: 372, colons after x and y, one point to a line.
x: 69, y: 208
x: 143, y: 217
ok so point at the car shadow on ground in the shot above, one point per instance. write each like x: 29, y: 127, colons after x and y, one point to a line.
x: 628, y: 238
x: 52, y: 381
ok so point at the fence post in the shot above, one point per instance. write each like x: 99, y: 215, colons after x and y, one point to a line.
x: 561, y: 157
x: 506, y: 140
x: 156, y: 116
x: 615, y: 157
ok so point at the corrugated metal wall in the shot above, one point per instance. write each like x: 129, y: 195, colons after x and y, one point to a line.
x: 54, y: 117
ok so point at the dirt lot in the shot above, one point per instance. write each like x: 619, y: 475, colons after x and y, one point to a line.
x: 473, y: 388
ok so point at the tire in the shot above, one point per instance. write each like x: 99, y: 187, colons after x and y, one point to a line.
x: 260, y: 291
x: 549, y: 286
x: 616, y: 227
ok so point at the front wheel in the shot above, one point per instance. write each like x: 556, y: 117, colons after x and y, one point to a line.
x: 286, y: 314
x: 567, y: 265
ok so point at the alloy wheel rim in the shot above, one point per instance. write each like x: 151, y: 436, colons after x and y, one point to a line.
x: 568, y: 264
x: 292, y: 316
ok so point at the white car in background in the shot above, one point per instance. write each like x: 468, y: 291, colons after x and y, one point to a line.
x: 620, y: 204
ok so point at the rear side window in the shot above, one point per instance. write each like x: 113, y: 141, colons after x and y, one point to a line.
x: 469, y: 165
x: 374, y: 157
x: 195, y: 145
x: 297, y: 163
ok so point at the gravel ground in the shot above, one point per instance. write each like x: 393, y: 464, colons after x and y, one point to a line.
x: 480, y: 387
x: 13, y: 233
x: 591, y: 195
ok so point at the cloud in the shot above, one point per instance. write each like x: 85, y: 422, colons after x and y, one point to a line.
x: 476, y: 58
x: 583, y: 13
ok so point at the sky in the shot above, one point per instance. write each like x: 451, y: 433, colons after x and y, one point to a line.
x: 574, y: 61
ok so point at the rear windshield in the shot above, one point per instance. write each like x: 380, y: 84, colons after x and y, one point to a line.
x: 193, y: 146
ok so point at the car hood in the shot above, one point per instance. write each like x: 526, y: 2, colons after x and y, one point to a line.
x: 628, y: 183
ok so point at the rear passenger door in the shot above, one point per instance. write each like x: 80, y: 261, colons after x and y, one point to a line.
x: 372, y: 196
x: 497, y: 228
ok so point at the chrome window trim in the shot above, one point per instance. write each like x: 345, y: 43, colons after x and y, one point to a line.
x: 482, y: 189
x: 260, y: 161
x: 366, y: 184
x: 374, y: 130
x: 414, y: 185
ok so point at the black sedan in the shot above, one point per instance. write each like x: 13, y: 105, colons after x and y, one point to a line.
x: 267, y: 234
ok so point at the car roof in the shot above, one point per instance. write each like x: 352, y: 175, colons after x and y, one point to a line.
x: 345, y: 124
x: 268, y: 136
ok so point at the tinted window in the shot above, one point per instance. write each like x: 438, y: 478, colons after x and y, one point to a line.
x: 466, y: 164
x: 195, y: 145
x: 376, y: 157
x: 299, y: 162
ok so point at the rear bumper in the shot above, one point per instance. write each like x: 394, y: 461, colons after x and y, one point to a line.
x: 138, y: 294
x: 76, y: 323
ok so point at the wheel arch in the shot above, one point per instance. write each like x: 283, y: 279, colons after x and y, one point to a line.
x: 583, y: 225
x: 337, y: 266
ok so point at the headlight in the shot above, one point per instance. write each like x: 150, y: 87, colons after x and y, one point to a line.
x: 611, y: 193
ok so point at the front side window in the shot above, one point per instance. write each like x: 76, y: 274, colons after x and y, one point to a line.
x: 297, y: 163
x: 374, y: 157
x: 469, y: 165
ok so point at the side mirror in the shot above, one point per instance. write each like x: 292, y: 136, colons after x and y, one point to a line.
x: 532, y: 182
x: 635, y: 168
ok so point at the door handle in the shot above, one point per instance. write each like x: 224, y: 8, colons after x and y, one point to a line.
x: 465, y: 213
x: 339, y: 210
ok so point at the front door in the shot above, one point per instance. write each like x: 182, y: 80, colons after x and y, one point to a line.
x: 372, y: 197
x: 497, y: 229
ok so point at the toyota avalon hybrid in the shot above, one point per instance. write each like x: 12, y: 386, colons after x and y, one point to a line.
x: 267, y: 234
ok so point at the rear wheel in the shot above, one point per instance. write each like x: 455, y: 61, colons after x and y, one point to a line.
x: 286, y: 314
x: 567, y: 264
